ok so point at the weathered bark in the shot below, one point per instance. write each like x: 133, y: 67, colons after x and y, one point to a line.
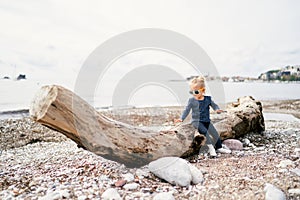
x: 244, y: 116
x: 64, y: 111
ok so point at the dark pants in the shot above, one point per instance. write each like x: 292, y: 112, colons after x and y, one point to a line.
x: 208, y: 130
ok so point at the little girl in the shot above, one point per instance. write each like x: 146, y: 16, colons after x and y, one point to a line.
x: 200, y: 105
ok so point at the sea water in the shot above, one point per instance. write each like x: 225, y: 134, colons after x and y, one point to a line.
x: 17, y: 95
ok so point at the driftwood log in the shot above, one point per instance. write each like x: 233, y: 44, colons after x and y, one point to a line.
x: 244, y: 116
x: 60, y: 109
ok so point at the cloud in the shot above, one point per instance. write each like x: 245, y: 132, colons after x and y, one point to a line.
x: 241, y: 37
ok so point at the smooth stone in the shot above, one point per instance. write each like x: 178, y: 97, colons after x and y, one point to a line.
x: 294, y: 191
x: 131, y: 186
x: 82, y: 197
x: 172, y: 169
x: 273, y: 193
x: 285, y: 163
x: 164, y: 196
x: 52, y: 195
x: 233, y: 144
x: 246, y: 141
x: 139, y: 195
x: 111, y: 194
x: 252, y: 145
x: 120, y: 183
x: 284, y: 170
x: 128, y: 177
x: 289, y: 131
x: 297, y: 150
x: 141, y: 173
x: 40, y: 189
x: 296, y: 171
x: 65, y: 194
x: 197, y: 176
x: 259, y: 148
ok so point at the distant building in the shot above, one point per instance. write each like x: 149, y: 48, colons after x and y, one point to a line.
x: 270, y: 75
x: 289, y: 73
x: 225, y: 79
x: 285, y: 73
x: 294, y: 70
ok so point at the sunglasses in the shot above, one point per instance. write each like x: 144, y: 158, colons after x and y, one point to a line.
x: 195, y: 92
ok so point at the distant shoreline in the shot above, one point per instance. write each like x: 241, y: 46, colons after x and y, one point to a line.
x: 14, y: 114
x: 288, y: 106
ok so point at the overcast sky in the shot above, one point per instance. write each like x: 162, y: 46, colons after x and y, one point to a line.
x: 52, y: 38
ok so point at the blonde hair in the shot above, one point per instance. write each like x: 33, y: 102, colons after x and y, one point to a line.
x: 199, y: 81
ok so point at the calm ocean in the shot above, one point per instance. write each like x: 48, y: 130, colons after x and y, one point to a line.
x: 16, y: 95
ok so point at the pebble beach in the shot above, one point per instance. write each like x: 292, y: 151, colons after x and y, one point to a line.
x: 39, y: 163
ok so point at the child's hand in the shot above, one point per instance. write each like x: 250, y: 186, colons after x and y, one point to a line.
x: 219, y: 111
x: 177, y: 120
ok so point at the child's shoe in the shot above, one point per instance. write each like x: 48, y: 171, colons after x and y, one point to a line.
x: 224, y: 151
x: 211, y: 150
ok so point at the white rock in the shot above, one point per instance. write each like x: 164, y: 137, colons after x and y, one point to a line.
x: 246, y: 141
x: 141, y: 173
x: 65, y: 194
x: 128, y: 177
x: 285, y: 163
x: 139, y: 195
x: 164, y: 196
x: 214, y: 186
x: 294, y: 191
x: 197, y: 176
x: 246, y: 178
x: 297, y: 151
x: 111, y: 194
x: 296, y: 171
x: 47, y: 167
x: 252, y: 145
x: 51, y: 195
x: 40, y: 189
x: 273, y: 193
x: 82, y: 197
x: 289, y: 131
x: 172, y: 169
x: 131, y: 186
x: 259, y: 149
x: 284, y: 170
x: 103, y: 178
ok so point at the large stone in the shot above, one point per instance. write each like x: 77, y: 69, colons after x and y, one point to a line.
x: 128, y: 177
x: 51, y: 195
x: 120, y: 183
x: 58, y: 194
x: 296, y: 171
x: 295, y: 191
x: 111, y: 194
x: 233, y: 144
x: 285, y: 163
x: 172, y: 169
x: 131, y: 186
x: 273, y: 193
x: 141, y: 173
x: 164, y: 196
x: 197, y: 176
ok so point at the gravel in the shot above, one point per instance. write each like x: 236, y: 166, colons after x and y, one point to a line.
x: 38, y: 163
